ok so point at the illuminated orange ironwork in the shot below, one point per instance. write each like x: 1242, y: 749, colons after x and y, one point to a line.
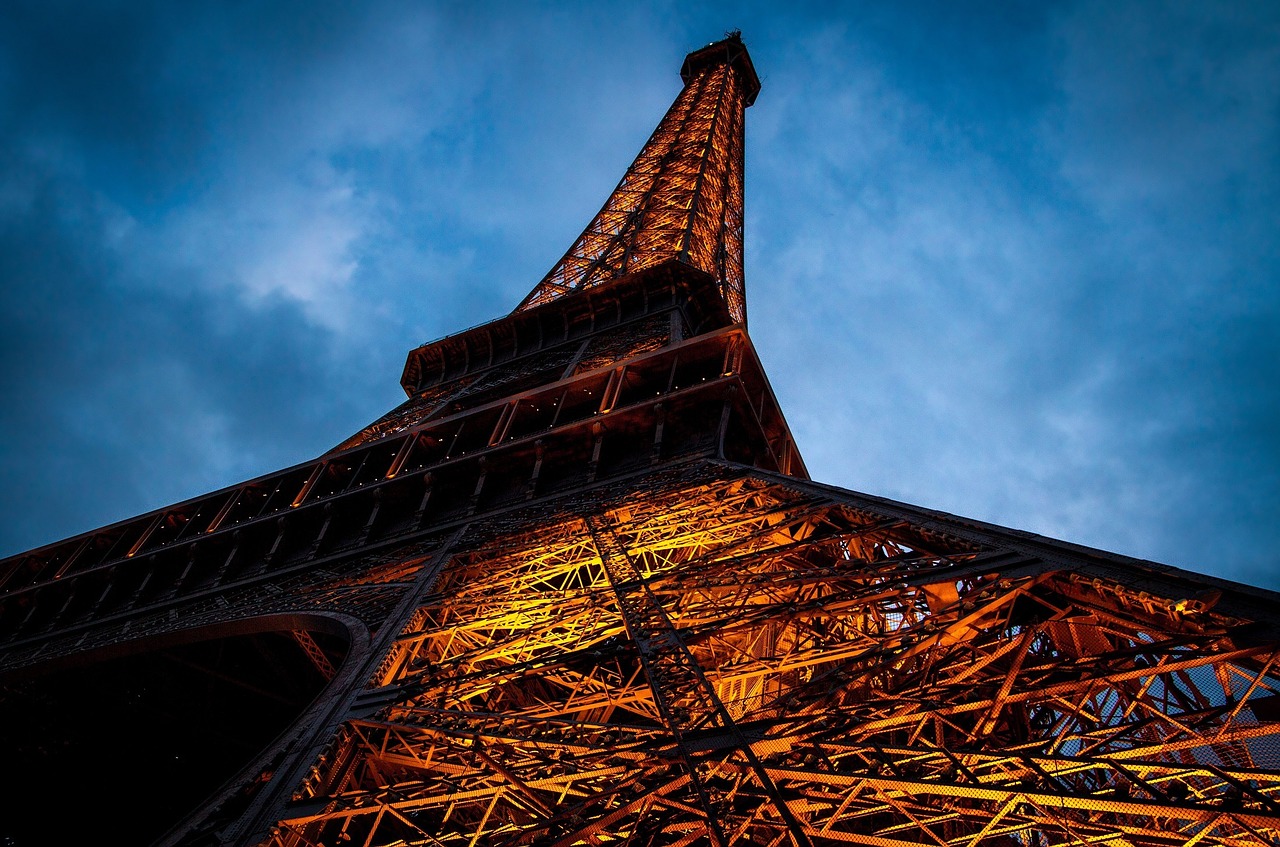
x: 758, y: 660
x: 682, y: 196
x: 594, y: 598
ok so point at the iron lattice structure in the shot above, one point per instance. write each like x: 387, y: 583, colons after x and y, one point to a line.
x: 682, y: 196
x: 579, y: 589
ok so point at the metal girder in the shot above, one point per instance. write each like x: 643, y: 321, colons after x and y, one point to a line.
x: 598, y: 602
x: 747, y: 661
x: 682, y: 197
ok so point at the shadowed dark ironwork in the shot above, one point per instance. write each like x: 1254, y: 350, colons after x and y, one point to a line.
x: 596, y: 599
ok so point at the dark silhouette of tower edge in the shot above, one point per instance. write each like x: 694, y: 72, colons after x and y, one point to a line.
x: 579, y: 589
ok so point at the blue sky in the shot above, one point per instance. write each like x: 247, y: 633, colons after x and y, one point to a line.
x: 1016, y: 261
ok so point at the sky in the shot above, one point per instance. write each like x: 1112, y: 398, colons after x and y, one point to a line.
x: 1014, y: 261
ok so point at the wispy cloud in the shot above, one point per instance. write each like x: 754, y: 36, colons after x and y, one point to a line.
x: 1016, y: 263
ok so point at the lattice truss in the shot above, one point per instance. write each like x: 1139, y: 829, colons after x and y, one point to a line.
x: 455, y: 394
x: 748, y: 663
x: 682, y: 198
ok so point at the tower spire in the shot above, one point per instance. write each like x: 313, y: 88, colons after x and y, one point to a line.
x: 681, y: 199
x: 578, y: 588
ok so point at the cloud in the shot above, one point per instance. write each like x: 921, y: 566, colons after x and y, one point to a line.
x: 1016, y: 263
x: 1022, y: 331
x: 129, y: 396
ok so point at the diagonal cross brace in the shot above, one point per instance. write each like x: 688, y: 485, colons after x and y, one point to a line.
x: 675, y: 676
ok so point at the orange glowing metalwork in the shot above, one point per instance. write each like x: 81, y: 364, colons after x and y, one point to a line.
x: 593, y: 598
x: 750, y: 662
x: 682, y: 197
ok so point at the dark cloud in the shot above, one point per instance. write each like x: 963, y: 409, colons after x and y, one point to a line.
x: 1014, y: 262
x: 128, y: 396
x: 1063, y: 327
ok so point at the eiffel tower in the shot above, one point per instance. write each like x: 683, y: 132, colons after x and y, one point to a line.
x: 580, y: 589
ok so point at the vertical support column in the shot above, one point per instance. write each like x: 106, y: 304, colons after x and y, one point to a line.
x: 725, y: 412
x: 685, y: 698
x: 427, y: 484
x: 309, y: 484
x: 661, y: 414
x: 597, y: 432
x: 609, y: 397
x: 373, y: 517
x: 539, y: 452
x: 402, y: 456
